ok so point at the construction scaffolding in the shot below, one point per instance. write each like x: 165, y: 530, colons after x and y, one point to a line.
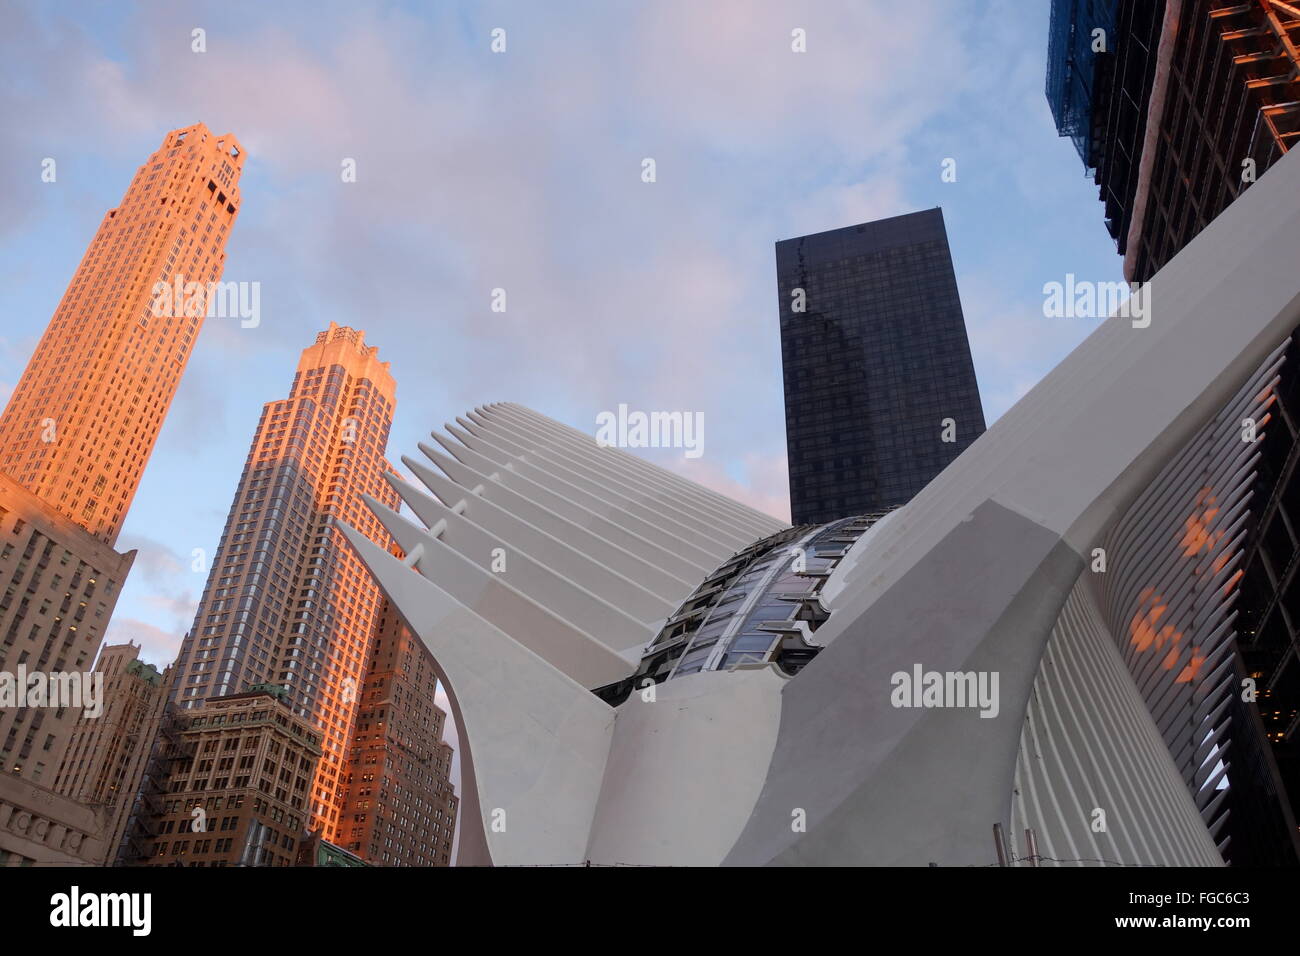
x: 1078, y: 58
x: 1262, y: 36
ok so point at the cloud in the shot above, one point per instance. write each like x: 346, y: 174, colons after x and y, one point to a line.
x: 765, y: 484
x: 522, y: 171
x: 167, y: 580
x: 153, y: 558
x: 528, y: 179
x: 157, y: 647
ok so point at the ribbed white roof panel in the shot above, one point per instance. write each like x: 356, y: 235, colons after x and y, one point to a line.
x: 1173, y: 560
x: 577, y: 553
x: 1095, y: 783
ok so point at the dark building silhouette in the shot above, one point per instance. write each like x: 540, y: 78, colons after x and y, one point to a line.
x: 880, y: 390
x: 1175, y: 108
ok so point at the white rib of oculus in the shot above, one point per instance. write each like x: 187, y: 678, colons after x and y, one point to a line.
x: 641, y: 673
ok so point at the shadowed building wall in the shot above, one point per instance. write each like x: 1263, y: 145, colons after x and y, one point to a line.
x: 244, y: 762
x: 60, y: 586
x: 105, y: 763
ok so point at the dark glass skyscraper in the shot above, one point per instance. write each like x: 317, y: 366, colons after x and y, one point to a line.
x: 875, y: 362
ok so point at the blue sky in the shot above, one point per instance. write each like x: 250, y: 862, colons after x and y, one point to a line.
x: 521, y: 170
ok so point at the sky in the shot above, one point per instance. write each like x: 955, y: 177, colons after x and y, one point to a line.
x: 522, y: 170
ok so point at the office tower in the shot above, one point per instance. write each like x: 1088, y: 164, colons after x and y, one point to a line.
x: 76, y: 435
x: 105, y: 763
x: 880, y: 390
x: 1182, y: 112
x: 400, y: 809
x: 236, y: 783
x: 1099, y: 97
x: 59, y: 588
x: 82, y: 421
x: 286, y: 604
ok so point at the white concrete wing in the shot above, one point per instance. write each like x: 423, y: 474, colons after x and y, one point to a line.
x: 970, y: 576
x: 540, y: 567
x: 958, y: 669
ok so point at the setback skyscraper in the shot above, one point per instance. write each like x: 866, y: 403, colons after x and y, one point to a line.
x: 83, y: 419
x: 286, y: 603
x: 74, y: 440
x: 880, y: 390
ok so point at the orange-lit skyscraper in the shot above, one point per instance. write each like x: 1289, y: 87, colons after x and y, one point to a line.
x: 287, y: 603
x: 83, y: 419
x: 400, y: 809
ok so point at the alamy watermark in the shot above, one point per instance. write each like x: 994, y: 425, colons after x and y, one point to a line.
x: 74, y: 908
x: 1084, y: 299
x: 53, y: 689
x: 624, y: 429
x: 213, y: 300
x: 922, y: 688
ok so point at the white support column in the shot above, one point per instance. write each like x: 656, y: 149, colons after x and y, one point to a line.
x: 533, y: 743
